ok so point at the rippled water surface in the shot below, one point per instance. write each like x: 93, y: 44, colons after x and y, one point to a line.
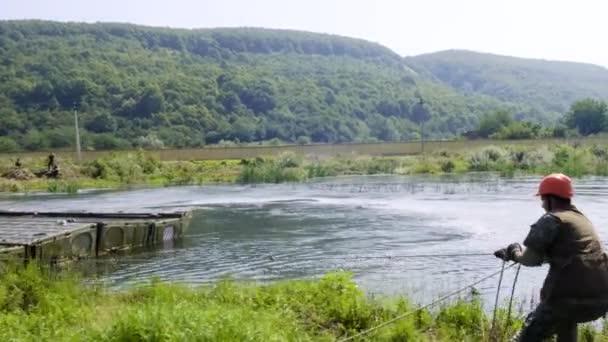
x: 365, y: 225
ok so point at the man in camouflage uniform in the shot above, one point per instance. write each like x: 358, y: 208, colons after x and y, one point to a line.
x: 576, y: 287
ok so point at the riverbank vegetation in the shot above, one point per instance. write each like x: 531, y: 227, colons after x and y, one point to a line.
x: 48, y: 306
x: 118, y: 170
x: 139, y: 168
x: 576, y: 161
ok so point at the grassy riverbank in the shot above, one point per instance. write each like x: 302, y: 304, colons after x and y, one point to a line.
x: 138, y: 168
x: 35, y: 307
x: 41, y: 306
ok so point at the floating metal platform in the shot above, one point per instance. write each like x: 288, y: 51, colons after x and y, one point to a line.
x: 63, y: 236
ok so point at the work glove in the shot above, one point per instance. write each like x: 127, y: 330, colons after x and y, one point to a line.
x: 507, y: 254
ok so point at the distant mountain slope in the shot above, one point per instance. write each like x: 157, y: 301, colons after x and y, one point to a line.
x: 547, y: 86
x: 142, y: 85
x: 145, y: 86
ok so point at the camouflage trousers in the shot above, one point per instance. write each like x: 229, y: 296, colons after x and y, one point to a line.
x: 561, y: 320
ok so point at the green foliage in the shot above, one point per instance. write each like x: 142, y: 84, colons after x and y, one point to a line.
x: 102, y: 123
x: 106, y: 141
x: 34, y: 140
x: 39, y: 305
x: 494, y: 122
x: 588, y: 116
x: 303, y: 140
x: 156, y: 87
x: 537, y: 90
x: 150, y: 141
x: 290, y: 168
x: 8, y: 145
x: 427, y: 166
x: 586, y: 333
x: 487, y: 159
x: 150, y: 101
x: 570, y: 160
x: 126, y: 168
x: 501, y: 125
x: 173, y: 313
x: 139, y: 167
x: 61, y: 137
x: 420, y: 113
x: 69, y: 187
x: 520, y: 130
x: 26, y: 290
x: 284, y: 168
x: 462, y: 320
x: 9, y: 120
x: 447, y: 166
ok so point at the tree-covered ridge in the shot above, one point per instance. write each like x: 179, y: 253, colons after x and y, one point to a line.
x: 152, y: 87
x: 546, y: 86
x: 219, y: 43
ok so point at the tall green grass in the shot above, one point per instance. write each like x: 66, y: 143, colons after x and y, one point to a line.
x: 36, y: 306
x: 573, y: 160
x: 40, y: 305
x: 70, y: 187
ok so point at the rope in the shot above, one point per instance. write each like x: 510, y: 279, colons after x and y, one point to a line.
x: 511, y: 298
x: 502, y: 271
x: 127, y: 259
x: 433, y: 303
x: 456, y: 255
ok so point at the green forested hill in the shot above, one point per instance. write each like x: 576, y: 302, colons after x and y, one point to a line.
x: 547, y: 86
x: 135, y: 85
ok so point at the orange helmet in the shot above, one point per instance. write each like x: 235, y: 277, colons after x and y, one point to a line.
x: 556, y: 184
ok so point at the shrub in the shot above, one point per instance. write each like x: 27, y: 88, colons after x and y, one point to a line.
x: 486, y: 159
x: 7, y: 144
x: 150, y: 141
x: 107, y: 141
x: 570, y: 160
x: 447, y: 166
x: 303, y: 140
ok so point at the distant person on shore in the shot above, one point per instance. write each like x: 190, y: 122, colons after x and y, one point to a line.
x: 576, y: 287
x: 52, y: 169
x: 51, y: 165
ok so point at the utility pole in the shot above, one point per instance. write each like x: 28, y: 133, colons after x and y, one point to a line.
x: 422, y: 137
x: 77, y: 133
x: 421, y: 115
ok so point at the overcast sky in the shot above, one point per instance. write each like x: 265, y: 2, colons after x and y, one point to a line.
x: 548, y: 29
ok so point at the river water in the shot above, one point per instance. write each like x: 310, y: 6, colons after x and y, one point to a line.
x: 367, y: 225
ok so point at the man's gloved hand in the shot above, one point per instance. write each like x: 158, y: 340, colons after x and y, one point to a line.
x: 501, y: 254
x: 508, y: 253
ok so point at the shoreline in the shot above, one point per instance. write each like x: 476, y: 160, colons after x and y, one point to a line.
x: 139, y: 168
